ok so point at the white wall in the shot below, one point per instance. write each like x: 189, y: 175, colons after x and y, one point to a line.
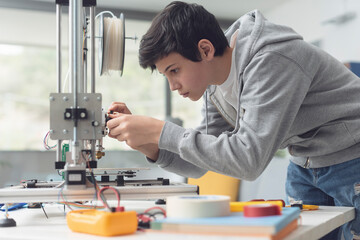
x: 310, y: 17
x: 22, y: 27
x: 38, y: 28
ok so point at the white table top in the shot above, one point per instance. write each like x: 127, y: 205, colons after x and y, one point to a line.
x: 318, y: 223
x: 33, y: 224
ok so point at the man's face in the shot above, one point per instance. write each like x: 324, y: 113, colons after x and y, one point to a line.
x: 187, y: 77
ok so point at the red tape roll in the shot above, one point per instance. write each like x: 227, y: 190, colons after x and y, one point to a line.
x: 261, y: 210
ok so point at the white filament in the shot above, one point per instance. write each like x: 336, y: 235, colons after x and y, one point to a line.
x: 113, y: 45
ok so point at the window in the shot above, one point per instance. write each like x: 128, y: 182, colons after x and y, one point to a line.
x: 28, y: 76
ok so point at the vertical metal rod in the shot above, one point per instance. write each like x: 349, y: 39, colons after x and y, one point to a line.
x: 75, y: 8
x: 85, y: 74
x: 167, y: 100
x: 58, y: 46
x: 58, y: 68
x: 92, y: 67
x: 83, y: 82
x: 84, y: 87
x: 92, y: 48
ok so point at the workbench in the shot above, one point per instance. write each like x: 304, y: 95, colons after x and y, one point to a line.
x: 33, y: 224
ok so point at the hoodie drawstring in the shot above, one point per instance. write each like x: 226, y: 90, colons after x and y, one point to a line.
x: 237, y: 122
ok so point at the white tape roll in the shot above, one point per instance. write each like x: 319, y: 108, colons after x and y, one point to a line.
x: 197, y: 206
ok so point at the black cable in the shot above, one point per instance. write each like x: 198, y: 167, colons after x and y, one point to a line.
x: 44, y: 210
x: 94, y: 182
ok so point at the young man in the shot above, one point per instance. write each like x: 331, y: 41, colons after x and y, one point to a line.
x: 264, y: 89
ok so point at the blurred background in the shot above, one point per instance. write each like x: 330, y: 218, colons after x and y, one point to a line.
x: 28, y: 75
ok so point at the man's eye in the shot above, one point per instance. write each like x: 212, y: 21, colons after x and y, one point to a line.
x: 175, y: 70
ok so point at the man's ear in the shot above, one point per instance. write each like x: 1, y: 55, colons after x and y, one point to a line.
x: 206, y: 49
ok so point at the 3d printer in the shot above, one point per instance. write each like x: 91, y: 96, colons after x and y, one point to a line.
x: 77, y: 119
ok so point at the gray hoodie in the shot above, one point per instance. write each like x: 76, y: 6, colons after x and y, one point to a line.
x: 291, y: 94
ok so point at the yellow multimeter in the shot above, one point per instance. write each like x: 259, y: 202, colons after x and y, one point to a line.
x: 102, y: 223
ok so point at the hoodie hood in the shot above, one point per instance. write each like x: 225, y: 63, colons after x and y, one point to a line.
x: 255, y: 32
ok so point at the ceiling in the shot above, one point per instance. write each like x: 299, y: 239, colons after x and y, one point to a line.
x: 224, y: 10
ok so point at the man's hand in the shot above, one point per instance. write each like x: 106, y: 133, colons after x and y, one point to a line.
x: 150, y: 150
x: 118, y: 107
x: 139, y: 132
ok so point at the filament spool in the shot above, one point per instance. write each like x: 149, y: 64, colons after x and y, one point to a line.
x: 111, y: 44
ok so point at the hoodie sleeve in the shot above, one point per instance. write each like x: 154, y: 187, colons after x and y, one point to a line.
x: 274, y: 88
x: 173, y: 162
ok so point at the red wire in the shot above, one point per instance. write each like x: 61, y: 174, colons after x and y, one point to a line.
x: 152, y: 208
x: 111, y: 188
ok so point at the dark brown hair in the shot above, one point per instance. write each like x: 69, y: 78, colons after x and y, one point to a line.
x: 179, y: 28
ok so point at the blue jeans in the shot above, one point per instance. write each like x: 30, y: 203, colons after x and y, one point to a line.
x: 328, y: 186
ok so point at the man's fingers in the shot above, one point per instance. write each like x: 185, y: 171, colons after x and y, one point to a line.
x: 110, y: 124
x: 110, y: 135
x: 115, y: 115
x: 119, y: 107
x: 121, y: 138
x: 115, y: 134
x: 115, y: 120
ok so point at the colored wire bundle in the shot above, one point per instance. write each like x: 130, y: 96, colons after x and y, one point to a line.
x: 46, y: 142
x: 78, y: 205
x: 98, y: 192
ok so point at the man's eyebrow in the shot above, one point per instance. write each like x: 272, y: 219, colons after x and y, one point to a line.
x: 169, y: 67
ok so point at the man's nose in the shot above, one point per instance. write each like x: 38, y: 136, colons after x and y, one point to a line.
x: 173, y: 85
